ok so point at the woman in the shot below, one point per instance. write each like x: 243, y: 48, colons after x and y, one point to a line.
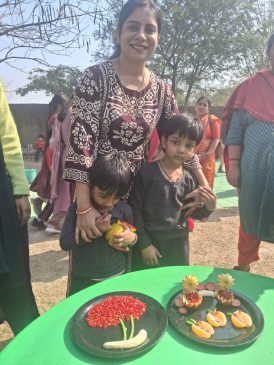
x: 117, y: 106
x: 211, y: 138
x: 42, y: 185
x: 16, y: 297
x: 249, y: 120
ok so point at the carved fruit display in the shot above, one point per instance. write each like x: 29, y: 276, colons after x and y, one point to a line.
x: 191, y: 297
x: 216, y: 318
x: 223, y: 293
x: 241, y: 319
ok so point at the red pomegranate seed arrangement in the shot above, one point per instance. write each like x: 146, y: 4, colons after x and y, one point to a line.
x: 111, y: 310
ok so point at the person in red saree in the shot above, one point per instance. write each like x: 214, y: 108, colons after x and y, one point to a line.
x: 211, y: 138
x: 249, y: 158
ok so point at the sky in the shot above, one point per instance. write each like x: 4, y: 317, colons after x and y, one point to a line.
x: 13, y: 78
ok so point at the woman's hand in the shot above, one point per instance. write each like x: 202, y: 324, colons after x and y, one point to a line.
x: 150, y: 256
x: 86, y: 226
x: 197, y: 198
x: 23, y: 209
x: 234, y: 174
x: 103, y: 222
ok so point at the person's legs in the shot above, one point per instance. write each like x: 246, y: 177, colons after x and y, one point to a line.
x: 248, y: 249
x: 18, y: 305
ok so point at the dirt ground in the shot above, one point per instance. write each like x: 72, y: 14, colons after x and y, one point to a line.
x: 212, y: 243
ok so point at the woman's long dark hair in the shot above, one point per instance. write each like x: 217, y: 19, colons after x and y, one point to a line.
x: 127, y: 9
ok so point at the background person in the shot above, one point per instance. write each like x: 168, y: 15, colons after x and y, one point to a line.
x: 249, y: 120
x: 117, y: 106
x: 211, y: 138
x: 39, y: 146
x: 16, y: 297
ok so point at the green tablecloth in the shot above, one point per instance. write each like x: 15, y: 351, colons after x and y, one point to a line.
x: 47, y: 340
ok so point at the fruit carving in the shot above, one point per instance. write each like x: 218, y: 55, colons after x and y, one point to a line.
x: 191, y: 297
x: 223, y: 294
x: 201, y: 329
x: 216, y: 318
x: 241, y: 319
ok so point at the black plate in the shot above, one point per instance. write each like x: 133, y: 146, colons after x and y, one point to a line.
x: 91, y: 340
x: 225, y: 337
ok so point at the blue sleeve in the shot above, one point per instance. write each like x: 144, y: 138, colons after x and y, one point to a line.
x: 237, y: 127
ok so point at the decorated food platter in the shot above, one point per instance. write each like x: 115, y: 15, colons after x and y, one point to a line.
x: 98, y: 330
x: 215, y: 316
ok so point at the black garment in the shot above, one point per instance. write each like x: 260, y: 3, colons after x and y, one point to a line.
x: 157, y: 209
x: 16, y: 296
x: 95, y: 260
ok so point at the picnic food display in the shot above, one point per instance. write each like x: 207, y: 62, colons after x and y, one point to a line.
x: 201, y: 328
x: 223, y: 293
x: 191, y: 297
x: 241, y: 319
x: 114, y: 310
x: 216, y: 318
x: 224, y: 318
x: 118, y: 324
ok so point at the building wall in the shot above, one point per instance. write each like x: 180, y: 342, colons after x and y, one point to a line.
x: 31, y: 120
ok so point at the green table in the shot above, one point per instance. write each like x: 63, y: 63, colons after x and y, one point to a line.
x: 47, y: 340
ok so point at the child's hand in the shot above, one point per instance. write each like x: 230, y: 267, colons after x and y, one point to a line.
x: 234, y: 174
x: 150, y: 256
x: 125, y: 238
x: 210, y: 202
x: 103, y: 222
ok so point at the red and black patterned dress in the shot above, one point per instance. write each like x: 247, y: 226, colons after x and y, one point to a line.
x: 107, y: 117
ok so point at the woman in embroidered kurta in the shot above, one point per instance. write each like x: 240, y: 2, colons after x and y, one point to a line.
x: 249, y: 119
x: 117, y: 106
x: 211, y: 138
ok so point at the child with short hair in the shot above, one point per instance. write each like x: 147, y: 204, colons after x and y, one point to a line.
x: 98, y: 260
x: 158, y: 194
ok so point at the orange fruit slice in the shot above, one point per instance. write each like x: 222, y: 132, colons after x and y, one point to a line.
x: 241, y: 319
x: 202, y: 329
x: 216, y: 318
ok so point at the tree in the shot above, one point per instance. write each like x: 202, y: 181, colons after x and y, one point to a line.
x: 32, y: 29
x: 60, y: 79
x: 201, y: 41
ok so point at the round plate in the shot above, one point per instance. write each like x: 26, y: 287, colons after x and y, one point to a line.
x: 91, y: 339
x: 225, y: 337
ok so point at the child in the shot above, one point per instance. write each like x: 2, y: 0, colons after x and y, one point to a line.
x: 39, y: 146
x: 98, y: 260
x: 157, y: 197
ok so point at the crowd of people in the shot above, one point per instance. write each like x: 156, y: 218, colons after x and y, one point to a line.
x: 121, y: 150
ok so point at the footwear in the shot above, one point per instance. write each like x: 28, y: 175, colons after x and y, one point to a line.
x: 38, y: 224
x: 52, y: 229
x: 246, y: 268
x: 221, y: 170
x: 37, y: 205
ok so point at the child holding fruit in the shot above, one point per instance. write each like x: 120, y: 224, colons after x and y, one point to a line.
x: 158, y: 197
x: 105, y: 256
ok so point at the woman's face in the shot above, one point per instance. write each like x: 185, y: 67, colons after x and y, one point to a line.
x: 139, y: 35
x: 271, y: 56
x: 201, y: 108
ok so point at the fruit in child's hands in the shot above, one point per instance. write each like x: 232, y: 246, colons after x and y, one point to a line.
x: 216, y: 318
x: 191, y: 298
x: 201, y: 329
x: 241, y: 319
x: 115, y: 229
x: 223, y: 294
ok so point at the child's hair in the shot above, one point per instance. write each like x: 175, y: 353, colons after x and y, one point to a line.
x: 186, y: 125
x: 111, y: 173
x: 40, y: 136
x: 206, y: 98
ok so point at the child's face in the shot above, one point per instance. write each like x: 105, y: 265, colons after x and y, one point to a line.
x: 178, y: 149
x: 103, y: 200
